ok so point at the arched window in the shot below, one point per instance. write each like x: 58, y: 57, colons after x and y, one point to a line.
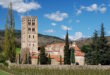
x: 33, y: 29
x: 33, y: 23
x: 29, y: 23
x: 29, y: 29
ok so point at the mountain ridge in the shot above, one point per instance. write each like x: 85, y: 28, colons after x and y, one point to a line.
x: 42, y: 39
x: 47, y: 39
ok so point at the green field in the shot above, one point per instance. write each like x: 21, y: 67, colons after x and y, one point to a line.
x: 3, y: 73
x: 20, y: 70
x: 59, y: 72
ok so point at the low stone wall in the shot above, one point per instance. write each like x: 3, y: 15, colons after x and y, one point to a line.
x: 105, y: 67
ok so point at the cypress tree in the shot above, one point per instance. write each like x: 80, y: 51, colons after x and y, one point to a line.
x: 29, y: 58
x: 72, y: 56
x: 6, y: 42
x: 43, y: 58
x: 9, y: 42
x: 49, y: 59
x: 66, y: 50
x: 60, y: 60
x: 12, y: 51
x: 38, y: 61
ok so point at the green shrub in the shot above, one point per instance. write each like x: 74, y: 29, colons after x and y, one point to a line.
x: 2, y: 58
x: 5, y: 63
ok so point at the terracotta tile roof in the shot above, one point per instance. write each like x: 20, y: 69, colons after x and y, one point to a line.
x: 56, y: 58
x: 76, y: 48
x: 35, y: 57
x: 78, y: 52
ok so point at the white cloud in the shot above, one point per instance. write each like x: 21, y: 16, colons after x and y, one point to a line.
x: 102, y: 9
x: 49, y: 31
x: 65, y: 27
x: 76, y: 36
x: 79, y: 11
x: 92, y: 8
x: 57, y: 16
x: 20, y: 6
x: 77, y: 21
x: 53, y: 24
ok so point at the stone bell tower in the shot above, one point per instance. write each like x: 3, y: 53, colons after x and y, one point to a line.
x: 29, y: 34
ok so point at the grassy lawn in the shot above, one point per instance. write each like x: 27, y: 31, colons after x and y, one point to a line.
x: 3, y: 73
x: 47, y: 71
x: 18, y: 50
x: 26, y: 70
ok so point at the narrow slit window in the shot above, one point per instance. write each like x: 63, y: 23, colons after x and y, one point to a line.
x: 29, y: 36
x: 33, y: 36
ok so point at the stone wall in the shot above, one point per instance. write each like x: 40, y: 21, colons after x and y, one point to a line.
x: 80, y: 60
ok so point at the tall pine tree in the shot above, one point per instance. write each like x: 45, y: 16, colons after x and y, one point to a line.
x: 95, y: 49
x: 92, y: 51
x: 104, y: 51
x: 98, y: 52
x: 66, y: 51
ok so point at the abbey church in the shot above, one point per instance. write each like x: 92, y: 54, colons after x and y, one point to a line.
x: 29, y: 40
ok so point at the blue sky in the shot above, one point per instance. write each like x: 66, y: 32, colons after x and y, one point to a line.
x: 80, y: 17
